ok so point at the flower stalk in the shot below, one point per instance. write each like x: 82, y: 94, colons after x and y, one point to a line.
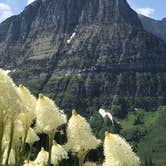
x: 1, y: 137
x: 2, y: 128
x: 10, y: 142
x: 24, y: 139
x: 51, y: 138
x: 81, y: 159
x: 30, y: 152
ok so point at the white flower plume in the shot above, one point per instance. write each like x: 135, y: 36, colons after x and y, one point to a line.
x: 57, y: 153
x: 118, y: 152
x: 47, y: 109
x: 31, y: 137
x: 79, y: 134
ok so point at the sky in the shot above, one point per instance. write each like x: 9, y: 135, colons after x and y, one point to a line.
x: 151, y: 8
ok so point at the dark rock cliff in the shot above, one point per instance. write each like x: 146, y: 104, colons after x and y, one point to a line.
x: 84, y: 53
x: 156, y: 27
x: 36, y: 32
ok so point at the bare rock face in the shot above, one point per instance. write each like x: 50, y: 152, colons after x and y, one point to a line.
x: 156, y: 27
x: 84, y: 52
x: 35, y: 33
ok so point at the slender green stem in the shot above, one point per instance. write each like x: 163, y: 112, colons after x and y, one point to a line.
x: 1, y: 137
x: 30, y: 152
x: 51, y: 138
x: 24, y: 139
x: 56, y: 164
x: 10, y: 142
x: 21, y: 151
x: 81, y: 161
x: 16, y: 153
x: 81, y: 157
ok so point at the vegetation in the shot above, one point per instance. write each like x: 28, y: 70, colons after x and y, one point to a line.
x: 137, y: 114
x: 27, y: 123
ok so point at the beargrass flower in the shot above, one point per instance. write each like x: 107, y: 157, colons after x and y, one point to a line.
x: 118, y: 152
x: 58, y: 153
x: 80, y: 137
x: 32, y: 137
x: 29, y: 102
x: 10, y: 100
x: 27, y: 117
x: 42, y: 157
x: 28, y: 99
x: 10, y: 106
x: 49, y: 116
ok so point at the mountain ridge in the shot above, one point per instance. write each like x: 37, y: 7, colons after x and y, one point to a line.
x: 22, y: 23
x: 108, y: 36
x: 156, y: 27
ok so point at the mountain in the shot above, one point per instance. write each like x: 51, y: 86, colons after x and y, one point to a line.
x: 56, y: 46
x: 156, y: 27
x: 86, y: 54
x: 44, y: 25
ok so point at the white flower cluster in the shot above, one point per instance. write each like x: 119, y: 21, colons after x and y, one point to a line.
x: 10, y: 101
x: 31, y: 137
x: 58, y: 153
x: 79, y: 134
x: 18, y: 109
x: 48, y: 115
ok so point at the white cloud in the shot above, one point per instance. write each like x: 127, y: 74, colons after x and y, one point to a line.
x: 30, y: 1
x: 146, y: 11
x: 5, y: 11
x: 149, y: 12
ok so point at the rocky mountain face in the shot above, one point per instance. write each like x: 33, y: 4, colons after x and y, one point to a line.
x: 156, y: 27
x: 84, y: 53
x: 37, y: 32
